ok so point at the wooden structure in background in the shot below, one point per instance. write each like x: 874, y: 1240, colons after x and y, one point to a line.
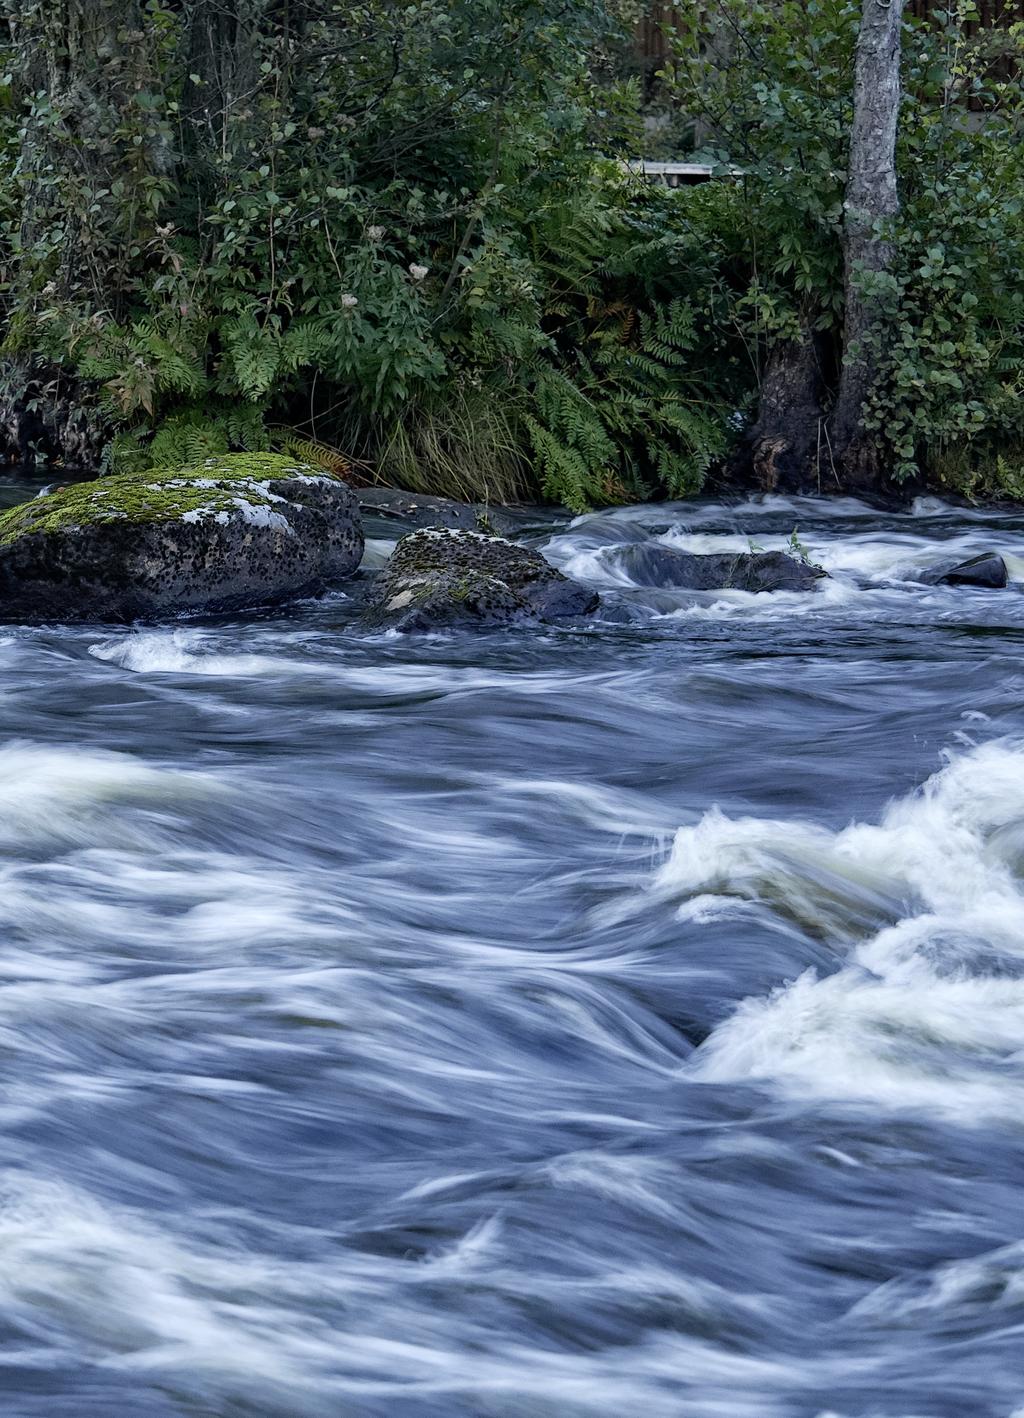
x: 652, y: 42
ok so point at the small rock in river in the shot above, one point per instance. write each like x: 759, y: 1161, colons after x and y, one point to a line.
x: 425, y: 510
x: 987, y: 570
x: 438, y: 579
x: 654, y: 564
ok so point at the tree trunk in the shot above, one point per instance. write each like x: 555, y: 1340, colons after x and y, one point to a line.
x: 223, y: 49
x: 871, y: 198
x: 783, y: 451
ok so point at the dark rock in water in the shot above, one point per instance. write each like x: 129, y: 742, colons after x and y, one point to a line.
x: 423, y: 510
x: 439, y: 579
x: 232, y: 532
x: 654, y: 564
x: 448, y: 600
x: 987, y: 570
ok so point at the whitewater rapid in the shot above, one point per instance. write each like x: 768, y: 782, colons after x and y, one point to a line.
x: 624, y: 1018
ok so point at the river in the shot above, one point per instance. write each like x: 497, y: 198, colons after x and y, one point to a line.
x: 623, y: 1019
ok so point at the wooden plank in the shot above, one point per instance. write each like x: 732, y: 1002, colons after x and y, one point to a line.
x: 676, y: 174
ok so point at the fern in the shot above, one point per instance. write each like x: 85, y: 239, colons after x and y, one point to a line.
x: 189, y: 437
x: 252, y: 357
x: 244, y: 428
x: 310, y: 450
x: 603, y: 425
x: 566, y: 476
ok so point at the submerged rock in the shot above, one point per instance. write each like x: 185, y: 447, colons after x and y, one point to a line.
x: 236, y: 531
x: 654, y: 564
x: 440, y: 579
x: 987, y: 570
x: 425, y: 510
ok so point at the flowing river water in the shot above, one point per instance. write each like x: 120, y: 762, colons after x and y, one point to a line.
x: 623, y: 1019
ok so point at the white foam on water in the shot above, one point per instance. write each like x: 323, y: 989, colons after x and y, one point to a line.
x: 775, y: 605
x: 991, y: 1281
x: 889, y: 560
x: 590, y: 565
x: 602, y: 568
x: 876, y: 556
x: 194, y: 652
x: 927, y: 1011
x: 376, y: 553
x: 801, y: 509
x: 807, y: 508
x: 402, y: 679
x: 613, y: 810
x: 184, y: 652
x: 1014, y: 565
x: 929, y: 507
x: 895, y: 557
x: 310, y: 1336
x: 136, y: 1296
x: 65, y: 795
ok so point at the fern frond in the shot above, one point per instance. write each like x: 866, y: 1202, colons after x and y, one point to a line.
x: 311, y: 450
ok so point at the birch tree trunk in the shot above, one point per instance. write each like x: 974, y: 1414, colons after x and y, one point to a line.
x: 871, y: 197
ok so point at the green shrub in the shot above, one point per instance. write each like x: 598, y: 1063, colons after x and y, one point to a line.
x: 400, y: 242
x: 772, y: 81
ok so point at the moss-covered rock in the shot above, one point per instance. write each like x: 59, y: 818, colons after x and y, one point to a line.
x: 448, y: 600
x: 234, y: 531
x: 437, y: 579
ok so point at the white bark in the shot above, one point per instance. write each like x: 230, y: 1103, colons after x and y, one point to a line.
x: 871, y: 196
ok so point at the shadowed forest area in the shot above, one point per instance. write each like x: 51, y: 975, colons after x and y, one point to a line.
x: 404, y: 238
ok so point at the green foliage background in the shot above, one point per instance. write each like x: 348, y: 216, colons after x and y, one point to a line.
x: 400, y: 230
x: 773, y: 90
x: 384, y: 224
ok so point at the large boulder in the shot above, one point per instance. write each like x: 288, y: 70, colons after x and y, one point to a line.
x: 236, y: 531
x: 654, y: 564
x: 440, y: 579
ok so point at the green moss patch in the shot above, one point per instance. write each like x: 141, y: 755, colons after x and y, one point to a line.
x: 160, y: 495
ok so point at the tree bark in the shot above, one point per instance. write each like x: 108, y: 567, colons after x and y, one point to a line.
x: 785, y: 449
x: 223, y: 49
x: 872, y: 197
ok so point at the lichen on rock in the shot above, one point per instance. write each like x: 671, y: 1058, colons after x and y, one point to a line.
x: 438, y: 578
x: 230, y: 532
x: 222, y: 484
x: 448, y: 600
